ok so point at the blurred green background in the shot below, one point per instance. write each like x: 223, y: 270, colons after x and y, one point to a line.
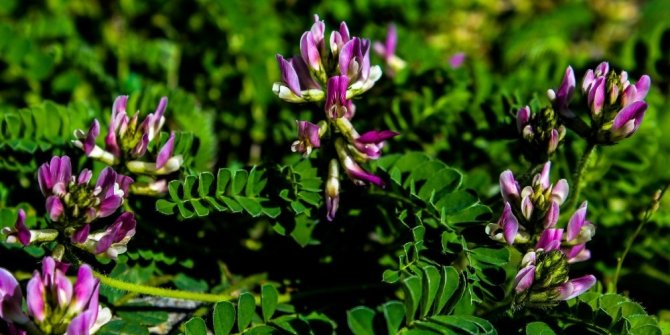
x: 215, y: 60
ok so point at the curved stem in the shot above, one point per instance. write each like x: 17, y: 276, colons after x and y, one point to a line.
x: 647, y: 216
x: 577, y: 182
x: 170, y: 293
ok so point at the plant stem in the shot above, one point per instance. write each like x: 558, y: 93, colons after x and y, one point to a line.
x: 579, y: 174
x: 647, y: 216
x: 170, y: 293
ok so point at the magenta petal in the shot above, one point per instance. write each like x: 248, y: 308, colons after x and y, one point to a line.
x: 509, y: 224
x: 62, y: 287
x: 305, y: 79
x: 576, y: 222
x: 597, y: 96
x: 10, y: 298
x: 310, y: 51
x: 84, y: 176
x: 634, y: 111
x: 391, y: 40
x: 357, y: 173
x: 602, y: 69
x: 524, y: 278
x: 376, y: 137
x: 560, y: 191
x: 124, y: 183
x: 93, y: 132
x: 122, y: 227
x: 456, y: 60
x: 109, y: 205
x: 118, y: 110
x: 332, y: 204
x: 44, y: 179
x: 36, y: 297
x: 81, y: 234
x: 166, y: 152
x: 106, y: 181
x: 589, y: 77
x: 576, y: 287
x: 309, y: 133
x: 567, y: 86
x: 81, y: 324
x: 54, y: 208
x: 550, y: 239
x: 289, y: 76
x: 552, y: 215
x: 346, y: 55
x: 64, y: 170
x: 160, y: 110
x: 522, y: 118
x: 22, y: 231
x: 509, y: 188
x: 642, y: 87
x: 543, y: 177
x: 83, y: 289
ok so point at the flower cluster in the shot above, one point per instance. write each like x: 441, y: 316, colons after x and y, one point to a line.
x: 529, y: 217
x: 127, y: 142
x: 54, y: 304
x: 616, y: 106
x: 542, y: 132
x: 345, y: 72
x: 304, y: 76
x: 73, y: 204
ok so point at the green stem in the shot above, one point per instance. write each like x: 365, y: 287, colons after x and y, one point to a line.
x: 169, y: 293
x: 577, y: 182
x: 647, y: 216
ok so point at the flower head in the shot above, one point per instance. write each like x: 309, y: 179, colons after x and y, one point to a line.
x: 308, y: 137
x: 541, y: 132
x: 617, y: 106
x: 127, y: 141
x: 54, y: 304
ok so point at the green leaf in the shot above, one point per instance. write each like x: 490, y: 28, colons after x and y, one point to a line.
x: 165, y: 207
x: 261, y: 330
x: 539, y: 328
x: 144, y: 318
x: 412, y: 288
x: 449, y: 284
x: 195, y: 326
x: 394, y: 314
x: 269, y: 299
x: 223, y: 317
x: 245, y: 310
x: 360, y: 320
x: 431, y: 284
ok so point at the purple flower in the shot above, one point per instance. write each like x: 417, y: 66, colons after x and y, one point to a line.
x: 297, y: 85
x: 372, y: 142
x: 354, y: 62
x: 308, y: 138
x: 580, y: 229
x: 387, y: 51
x: 54, y: 304
x: 509, y: 187
x: 128, y: 140
x: 576, y: 287
x: 561, y: 99
x: 339, y: 38
x: 507, y: 229
x: 20, y: 233
x: 456, y: 60
x: 550, y: 239
x: 10, y: 299
x: 542, y: 132
x: 337, y: 104
x: 617, y: 106
x: 312, y: 45
x: 112, y: 241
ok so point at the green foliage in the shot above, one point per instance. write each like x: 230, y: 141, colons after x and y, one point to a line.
x: 232, y: 190
x: 249, y: 321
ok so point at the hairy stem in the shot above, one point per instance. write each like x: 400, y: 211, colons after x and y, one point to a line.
x: 647, y: 216
x: 170, y: 293
x: 577, y: 182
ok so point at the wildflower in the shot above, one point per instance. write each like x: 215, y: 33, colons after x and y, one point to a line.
x: 308, y: 137
x: 73, y: 204
x: 561, y: 99
x: 54, y: 304
x: 543, y: 280
x: 337, y: 104
x: 127, y: 141
x: 74, y: 200
x: 387, y: 51
x: 303, y: 77
x: 456, y: 60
